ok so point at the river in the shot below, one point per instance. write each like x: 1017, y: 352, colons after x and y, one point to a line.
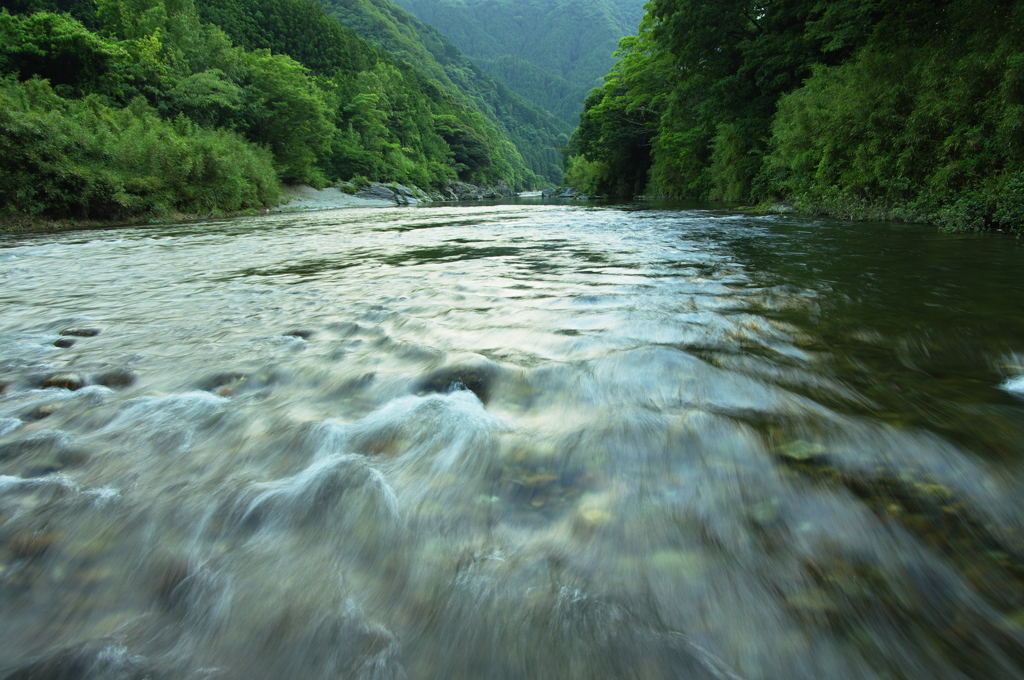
x: 512, y: 441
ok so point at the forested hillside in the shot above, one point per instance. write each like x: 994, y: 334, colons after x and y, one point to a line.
x: 552, y: 52
x: 864, y: 108
x: 128, y: 108
x: 538, y: 137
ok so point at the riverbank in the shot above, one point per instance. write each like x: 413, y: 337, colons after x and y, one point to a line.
x: 297, y: 198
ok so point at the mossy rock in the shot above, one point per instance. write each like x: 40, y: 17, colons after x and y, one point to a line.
x: 800, y: 450
x: 65, y: 381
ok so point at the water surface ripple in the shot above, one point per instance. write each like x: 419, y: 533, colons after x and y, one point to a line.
x: 511, y: 441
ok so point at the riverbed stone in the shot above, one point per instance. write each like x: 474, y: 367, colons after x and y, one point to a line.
x: 223, y: 384
x: 478, y: 378
x: 42, y: 469
x: 81, y: 332
x: 800, y: 450
x: 117, y: 378
x: 64, y: 343
x: 173, y: 573
x: 42, y: 411
x: 588, y: 521
x: 56, y: 462
x: 32, y: 543
x: 813, y: 605
x: 678, y: 564
x: 65, y: 381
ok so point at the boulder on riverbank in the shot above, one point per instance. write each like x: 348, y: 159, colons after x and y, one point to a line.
x: 563, y: 192
x: 303, y: 197
x: 377, y: 194
x: 454, y: 191
x: 461, y: 191
x: 397, y: 194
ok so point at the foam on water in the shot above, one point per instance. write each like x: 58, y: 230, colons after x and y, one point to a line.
x: 1015, y: 385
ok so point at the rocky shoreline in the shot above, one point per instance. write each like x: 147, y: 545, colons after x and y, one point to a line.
x: 296, y: 198
x: 377, y: 194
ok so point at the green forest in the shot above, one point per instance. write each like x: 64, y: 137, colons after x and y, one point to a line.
x: 122, y: 109
x: 867, y: 109
x: 552, y: 52
x: 863, y: 109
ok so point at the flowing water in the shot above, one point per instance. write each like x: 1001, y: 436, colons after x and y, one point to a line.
x: 512, y: 441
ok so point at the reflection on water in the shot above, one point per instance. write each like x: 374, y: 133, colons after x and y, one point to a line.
x: 511, y: 441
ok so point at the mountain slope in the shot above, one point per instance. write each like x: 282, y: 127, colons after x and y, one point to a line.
x: 570, y: 41
x: 539, y: 136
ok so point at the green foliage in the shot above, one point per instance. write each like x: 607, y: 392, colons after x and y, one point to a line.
x: 861, y: 108
x: 60, y: 49
x: 620, y: 119
x: 298, y: 28
x: 927, y: 129
x: 84, y: 159
x: 83, y: 10
x: 391, y: 113
x: 159, y: 112
x: 526, y: 141
x: 584, y: 174
x: 285, y: 112
x: 208, y: 98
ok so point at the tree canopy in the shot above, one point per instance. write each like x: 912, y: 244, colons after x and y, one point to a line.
x: 276, y: 89
x: 867, y: 108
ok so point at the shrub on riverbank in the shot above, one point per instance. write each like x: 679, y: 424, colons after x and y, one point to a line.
x: 84, y: 159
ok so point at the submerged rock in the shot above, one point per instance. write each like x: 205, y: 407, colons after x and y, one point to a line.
x: 303, y: 333
x: 117, y: 378
x: 588, y: 521
x: 477, y: 378
x: 41, y: 411
x: 989, y: 556
x: 64, y: 343
x: 47, y: 448
x: 172, y: 575
x: 223, y: 384
x: 55, y: 462
x: 81, y: 332
x: 32, y: 543
x: 800, y: 450
x: 98, y: 660
x: 66, y: 381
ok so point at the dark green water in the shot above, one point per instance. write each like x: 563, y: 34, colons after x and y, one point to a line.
x: 512, y: 441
